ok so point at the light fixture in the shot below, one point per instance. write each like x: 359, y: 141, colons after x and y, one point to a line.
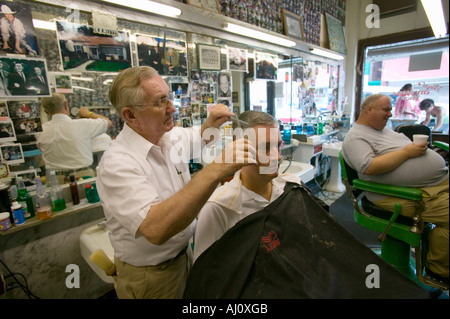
x: 148, y: 6
x: 234, y: 28
x: 435, y: 15
x: 47, y: 25
x: 326, y: 54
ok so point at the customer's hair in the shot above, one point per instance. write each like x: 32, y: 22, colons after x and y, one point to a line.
x: 53, y: 104
x: 425, y: 104
x: 372, y: 99
x: 126, y: 90
x: 254, y: 118
x: 406, y: 87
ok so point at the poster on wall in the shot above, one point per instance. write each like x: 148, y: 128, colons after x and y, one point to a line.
x: 17, y: 34
x: 266, y: 66
x: 237, y: 59
x: 168, y: 57
x: 83, y: 50
x: 23, y: 77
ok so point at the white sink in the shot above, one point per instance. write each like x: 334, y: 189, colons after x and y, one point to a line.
x: 332, y: 149
x: 91, y: 239
x: 305, y: 171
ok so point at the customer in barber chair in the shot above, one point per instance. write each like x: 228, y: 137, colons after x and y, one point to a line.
x: 382, y: 155
x: 66, y: 144
x: 252, y: 188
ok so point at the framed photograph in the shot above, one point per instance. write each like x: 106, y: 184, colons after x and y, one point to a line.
x: 12, y: 153
x: 180, y: 88
x: 266, y: 66
x: 26, y: 109
x: 335, y: 32
x: 292, y: 24
x: 28, y: 176
x: 4, y: 112
x: 237, y: 59
x: 63, y: 83
x: 224, y: 85
x: 17, y: 34
x: 83, y: 50
x: 26, y: 77
x: 168, y: 57
x: 7, y: 132
x: 208, y: 57
x: 211, y: 5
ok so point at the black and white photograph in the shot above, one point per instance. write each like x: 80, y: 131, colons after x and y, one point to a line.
x: 7, y: 133
x: 17, y: 34
x: 12, y: 153
x: 292, y: 24
x: 208, y: 57
x: 168, y: 57
x: 237, y: 59
x: 224, y: 85
x: 83, y: 50
x: 25, y: 77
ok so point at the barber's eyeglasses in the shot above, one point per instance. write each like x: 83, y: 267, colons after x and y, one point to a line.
x: 161, y: 104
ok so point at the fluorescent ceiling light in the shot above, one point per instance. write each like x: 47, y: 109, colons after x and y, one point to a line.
x: 148, y: 6
x: 234, y: 28
x: 47, y: 25
x: 435, y: 14
x: 327, y: 54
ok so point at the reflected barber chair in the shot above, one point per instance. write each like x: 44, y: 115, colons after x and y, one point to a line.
x: 398, y: 233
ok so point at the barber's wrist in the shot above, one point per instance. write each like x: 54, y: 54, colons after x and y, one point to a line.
x: 89, y: 115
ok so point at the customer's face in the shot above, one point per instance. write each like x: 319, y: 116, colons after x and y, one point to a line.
x: 152, y: 121
x: 379, y: 113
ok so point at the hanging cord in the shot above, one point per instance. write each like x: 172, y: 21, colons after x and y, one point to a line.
x: 24, y: 287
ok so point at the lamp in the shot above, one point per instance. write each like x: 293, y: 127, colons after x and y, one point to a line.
x: 148, y: 6
x: 435, y: 15
x: 326, y: 54
x: 234, y: 28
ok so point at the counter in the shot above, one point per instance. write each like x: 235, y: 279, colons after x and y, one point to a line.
x: 42, y: 249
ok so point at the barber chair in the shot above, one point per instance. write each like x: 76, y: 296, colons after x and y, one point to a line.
x: 398, y: 233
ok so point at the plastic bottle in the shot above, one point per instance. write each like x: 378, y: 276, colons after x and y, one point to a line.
x: 56, y: 194
x: 24, y: 199
x: 74, y: 190
x: 18, y: 211
x: 286, y: 134
x: 43, y: 201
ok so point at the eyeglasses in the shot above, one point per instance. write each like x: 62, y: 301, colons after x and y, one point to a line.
x: 162, y: 104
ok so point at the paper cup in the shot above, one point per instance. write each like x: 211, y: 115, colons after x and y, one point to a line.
x: 420, y: 138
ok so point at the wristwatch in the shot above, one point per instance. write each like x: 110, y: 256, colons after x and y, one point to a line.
x: 74, y: 111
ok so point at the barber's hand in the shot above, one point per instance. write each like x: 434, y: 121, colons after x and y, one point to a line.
x: 235, y: 155
x: 416, y: 150
x: 218, y: 115
x: 84, y: 111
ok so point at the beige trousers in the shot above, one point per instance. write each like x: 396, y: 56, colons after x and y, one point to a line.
x: 164, y: 281
x: 436, y: 211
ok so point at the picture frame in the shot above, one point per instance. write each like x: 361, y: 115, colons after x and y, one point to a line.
x: 7, y: 132
x: 211, y: 5
x: 63, y: 82
x: 266, y: 66
x: 292, y: 24
x: 237, y: 59
x: 28, y: 43
x: 12, y: 153
x: 208, y: 57
x: 81, y: 49
x: 336, y: 37
x: 34, y: 81
x: 167, y: 56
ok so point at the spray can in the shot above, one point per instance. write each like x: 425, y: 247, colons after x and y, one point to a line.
x: 19, y: 218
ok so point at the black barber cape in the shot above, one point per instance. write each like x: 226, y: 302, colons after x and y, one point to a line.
x: 293, y: 248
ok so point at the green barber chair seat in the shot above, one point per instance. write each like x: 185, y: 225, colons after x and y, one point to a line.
x: 398, y: 233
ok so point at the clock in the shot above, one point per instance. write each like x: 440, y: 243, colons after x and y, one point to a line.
x: 74, y: 111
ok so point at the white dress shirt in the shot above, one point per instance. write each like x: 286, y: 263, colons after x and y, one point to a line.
x: 135, y: 174
x: 229, y: 204
x: 66, y: 143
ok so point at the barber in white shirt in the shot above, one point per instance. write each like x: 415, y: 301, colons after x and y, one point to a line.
x: 66, y: 143
x: 149, y: 201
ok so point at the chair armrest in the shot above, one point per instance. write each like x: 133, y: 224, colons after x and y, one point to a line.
x: 390, y: 190
x: 440, y: 144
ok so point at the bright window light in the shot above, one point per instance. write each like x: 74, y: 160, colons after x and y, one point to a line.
x: 148, y: 6
x: 435, y: 14
x: 234, y: 28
